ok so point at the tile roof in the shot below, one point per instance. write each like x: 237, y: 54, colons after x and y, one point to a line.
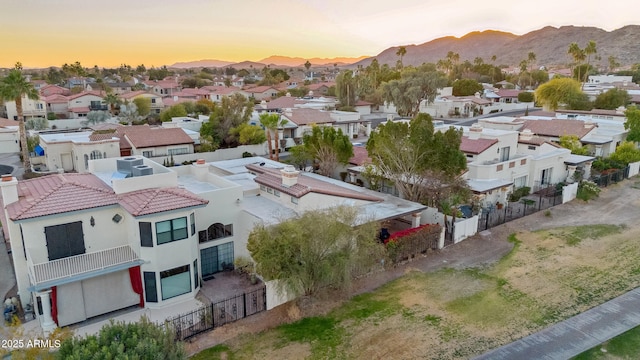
x: 56, y: 99
x: 143, y: 136
x: 6, y: 122
x: 272, y: 178
x: 283, y: 102
x: 86, y: 93
x: 133, y: 94
x: 60, y: 193
x: 259, y: 89
x: 302, y: 116
x: 534, y: 140
x: 512, y: 93
x: 360, y: 156
x: 195, y: 91
x: 102, y: 136
x: 151, y: 201
x: 475, y: 146
x: 558, y: 127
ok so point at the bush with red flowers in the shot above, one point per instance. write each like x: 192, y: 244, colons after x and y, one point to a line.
x: 406, y: 244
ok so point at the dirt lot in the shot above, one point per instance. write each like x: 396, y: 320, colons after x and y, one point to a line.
x: 544, y: 281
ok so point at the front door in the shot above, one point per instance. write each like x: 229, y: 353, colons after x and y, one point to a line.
x: 67, y: 162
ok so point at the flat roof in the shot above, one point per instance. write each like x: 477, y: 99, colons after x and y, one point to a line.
x: 484, y: 185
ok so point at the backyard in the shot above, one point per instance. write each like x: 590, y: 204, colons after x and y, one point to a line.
x: 562, y: 262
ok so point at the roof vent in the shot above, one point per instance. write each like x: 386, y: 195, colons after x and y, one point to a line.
x: 289, y: 176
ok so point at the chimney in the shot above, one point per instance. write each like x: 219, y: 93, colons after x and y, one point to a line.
x: 589, y: 125
x: 289, y: 176
x: 526, y: 135
x: 9, y: 188
x: 201, y: 170
x: 475, y: 131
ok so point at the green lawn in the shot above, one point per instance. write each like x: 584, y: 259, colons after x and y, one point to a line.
x: 625, y: 346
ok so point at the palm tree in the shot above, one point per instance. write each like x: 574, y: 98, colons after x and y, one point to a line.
x: 15, y: 87
x: 578, y: 56
x: 112, y: 100
x: 402, y: 51
x: 530, y: 59
x: 589, y: 50
x: 281, y: 122
x: 270, y: 123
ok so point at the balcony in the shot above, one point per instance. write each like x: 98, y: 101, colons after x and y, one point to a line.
x: 83, y: 264
x: 98, y: 107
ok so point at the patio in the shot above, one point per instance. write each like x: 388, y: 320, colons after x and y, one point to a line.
x: 227, y: 284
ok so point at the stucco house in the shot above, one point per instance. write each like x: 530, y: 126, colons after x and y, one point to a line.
x: 151, y: 235
x: 157, y: 104
x: 30, y: 109
x: 260, y: 92
x: 9, y: 136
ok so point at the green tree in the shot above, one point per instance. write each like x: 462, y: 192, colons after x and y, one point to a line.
x: 612, y: 99
x: 307, y: 65
x: 402, y: 51
x: 531, y: 58
x: 632, y: 123
x: 578, y: 56
x: 556, y: 92
x: 589, y: 50
x: 626, y: 153
x: 113, y: 101
x: 249, y: 134
x: 572, y: 142
x: 120, y: 340
x: 229, y: 113
x: 613, y: 63
x: 270, y: 123
x: 96, y: 117
x: 346, y: 89
x: 414, y: 155
x: 299, y: 157
x: 328, y: 148
x: 37, y: 124
x: 414, y: 86
x: 466, y: 87
x: 177, y: 110
x: 143, y: 105
x: 525, y: 96
x: 15, y: 87
x: 308, y: 265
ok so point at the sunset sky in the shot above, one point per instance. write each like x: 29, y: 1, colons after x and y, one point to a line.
x: 42, y: 33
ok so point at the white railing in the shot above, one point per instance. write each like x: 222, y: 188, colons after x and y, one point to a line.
x: 80, y: 264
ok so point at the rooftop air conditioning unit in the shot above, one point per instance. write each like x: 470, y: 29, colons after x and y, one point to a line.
x: 142, y: 170
x: 126, y: 165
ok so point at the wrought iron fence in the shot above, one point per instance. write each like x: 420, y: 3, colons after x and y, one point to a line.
x: 217, y: 314
x: 543, y: 198
x: 610, y: 177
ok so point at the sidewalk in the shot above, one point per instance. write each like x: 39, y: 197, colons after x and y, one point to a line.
x: 577, y: 334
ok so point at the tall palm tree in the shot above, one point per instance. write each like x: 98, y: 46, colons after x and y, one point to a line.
x: 531, y: 57
x: 270, y: 123
x: 589, y: 50
x: 15, y: 87
x: 281, y: 122
x: 578, y: 56
x: 402, y: 51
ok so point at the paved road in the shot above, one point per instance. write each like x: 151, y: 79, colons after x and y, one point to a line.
x: 577, y: 334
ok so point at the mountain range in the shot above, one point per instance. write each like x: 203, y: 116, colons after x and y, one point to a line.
x: 273, y: 60
x: 549, y: 44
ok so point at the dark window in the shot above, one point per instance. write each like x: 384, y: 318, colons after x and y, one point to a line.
x: 146, y: 238
x: 196, y: 279
x: 150, y: 289
x: 215, y: 231
x: 192, y: 218
x: 64, y: 240
x: 216, y: 259
x: 171, y: 230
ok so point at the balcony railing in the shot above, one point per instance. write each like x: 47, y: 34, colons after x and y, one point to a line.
x: 81, y: 264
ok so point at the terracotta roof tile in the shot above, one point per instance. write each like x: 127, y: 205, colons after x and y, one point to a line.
x: 558, y: 127
x: 475, y: 146
x: 6, y: 122
x: 85, y: 93
x: 259, y: 89
x: 144, y: 136
x: 283, y: 102
x: 151, y: 201
x: 60, y: 193
x: 301, y: 116
x: 360, y: 156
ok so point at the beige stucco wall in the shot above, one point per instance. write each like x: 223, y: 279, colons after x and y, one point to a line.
x: 9, y: 140
x: 30, y: 108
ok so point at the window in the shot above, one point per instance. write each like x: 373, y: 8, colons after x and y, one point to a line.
x: 150, y: 289
x: 512, y: 164
x: 216, y: 259
x: 276, y: 193
x: 192, y: 219
x: 294, y: 200
x: 95, y: 154
x: 499, y: 167
x: 175, y: 282
x: 531, y: 147
x: 86, y: 161
x: 171, y: 230
x: 146, y: 238
x: 64, y: 240
x: 147, y: 153
x: 196, y: 279
x: 153, y: 100
x: 215, y: 231
x: 178, y: 151
x: 39, y: 106
x: 263, y: 188
x: 270, y: 190
x: 523, y: 162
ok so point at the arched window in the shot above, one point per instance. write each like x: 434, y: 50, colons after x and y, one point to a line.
x: 219, y: 230
x: 95, y: 154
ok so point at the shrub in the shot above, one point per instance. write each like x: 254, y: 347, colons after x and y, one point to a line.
x: 519, y: 193
x: 525, y: 97
x: 587, y: 190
